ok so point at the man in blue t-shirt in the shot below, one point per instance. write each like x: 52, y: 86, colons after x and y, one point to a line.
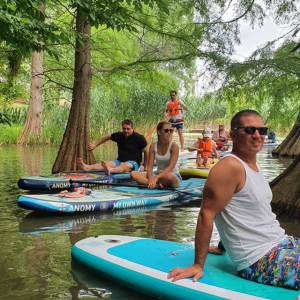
x: 271, y: 137
x: 131, y: 146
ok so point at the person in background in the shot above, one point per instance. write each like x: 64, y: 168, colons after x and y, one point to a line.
x: 271, y: 137
x: 204, y: 148
x: 131, y: 146
x: 165, y: 153
x: 221, y: 137
x: 237, y: 197
x: 174, y: 109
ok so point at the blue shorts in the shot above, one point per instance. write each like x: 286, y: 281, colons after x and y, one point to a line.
x: 176, y: 174
x: 178, y: 124
x: 135, y: 166
x: 279, y: 267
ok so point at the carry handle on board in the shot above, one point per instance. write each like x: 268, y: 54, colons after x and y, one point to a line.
x: 140, y: 186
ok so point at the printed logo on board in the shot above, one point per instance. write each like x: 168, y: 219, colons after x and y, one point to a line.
x: 103, y: 206
x: 62, y: 206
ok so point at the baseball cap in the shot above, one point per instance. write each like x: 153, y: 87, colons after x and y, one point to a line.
x: 206, y: 132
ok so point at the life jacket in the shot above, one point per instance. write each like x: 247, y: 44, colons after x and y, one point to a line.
x: 173, y: 107
x: 206, y: 148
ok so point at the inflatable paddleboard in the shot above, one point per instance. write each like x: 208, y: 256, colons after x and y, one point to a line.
x: 143, y: 264
x: 60, y: 181
x: 37, y: 223
x: 190, y: 169
x: 110, y: 198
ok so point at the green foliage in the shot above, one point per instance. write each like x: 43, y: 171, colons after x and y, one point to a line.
x: 22, y: 25
x: 203, y: 109
x: 4, y: 119
x: 268, y: 82
x: 9, y: 134
x: 14, y: 115
x: 55, y: 118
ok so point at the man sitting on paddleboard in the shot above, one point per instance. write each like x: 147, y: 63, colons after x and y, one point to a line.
x: 165, y: 153
x: 221, y: 137
x: 131, y: 146
x: 205, y: 147
x: 237, y: 197
x: 174, y: 109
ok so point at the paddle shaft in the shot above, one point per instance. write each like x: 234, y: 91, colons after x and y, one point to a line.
x: 146, y: 136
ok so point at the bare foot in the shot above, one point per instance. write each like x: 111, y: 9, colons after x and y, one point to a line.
x: 216, y: 250
x: 105, y: 167
x: 81, y: 165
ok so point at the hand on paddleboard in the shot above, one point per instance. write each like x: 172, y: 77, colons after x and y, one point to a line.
x: 194, y: 271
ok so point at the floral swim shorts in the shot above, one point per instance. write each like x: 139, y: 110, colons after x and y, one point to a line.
x: 279, y: 267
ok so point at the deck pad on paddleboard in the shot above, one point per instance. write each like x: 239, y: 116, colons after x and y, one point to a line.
x: 60, y: 181
x: 143, y: 265
x: 111, y: 197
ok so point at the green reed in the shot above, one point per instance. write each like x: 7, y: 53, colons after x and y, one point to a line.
x: 144, y: 107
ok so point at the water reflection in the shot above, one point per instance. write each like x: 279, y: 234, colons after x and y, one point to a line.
x: 35, y: 249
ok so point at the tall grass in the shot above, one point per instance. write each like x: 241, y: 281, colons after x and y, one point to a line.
x: 144, y: 107
x: 9, y: 134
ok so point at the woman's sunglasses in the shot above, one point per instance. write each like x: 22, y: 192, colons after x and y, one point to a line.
x: 251, y: 129
x: 168, y: 130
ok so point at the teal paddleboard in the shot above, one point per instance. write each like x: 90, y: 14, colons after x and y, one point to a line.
x: 143, y: 265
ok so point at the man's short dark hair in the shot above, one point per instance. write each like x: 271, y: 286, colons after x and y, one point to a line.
x: 173, y: 92
x: 236, y: 119
x: 127, y: 122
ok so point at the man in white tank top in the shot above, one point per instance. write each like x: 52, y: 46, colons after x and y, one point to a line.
x: 239, y: 203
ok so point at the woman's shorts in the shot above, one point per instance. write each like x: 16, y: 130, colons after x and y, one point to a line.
x: 176, y: 174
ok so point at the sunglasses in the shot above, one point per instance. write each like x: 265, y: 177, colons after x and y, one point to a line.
x: 172, y: 95
x: 251, y: 129
x: 168, y: 130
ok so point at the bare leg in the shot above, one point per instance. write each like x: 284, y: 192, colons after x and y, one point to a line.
x: 224, y: 148
x: 139, y: 177
x: 205, y: 161
x: 170, y: 180
x: 105, y: 167
x: 84, y: 167
x: 181, y: 139
x: 198, y: 160
x: 109, y: 169
x: 216, y: 250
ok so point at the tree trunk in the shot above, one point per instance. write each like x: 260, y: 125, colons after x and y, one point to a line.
x: 286, y: 191
x: 291, y: 144
x: 286, y: 187
x: 33, y: 130
x: 33, y: 127
x: 77, y: 136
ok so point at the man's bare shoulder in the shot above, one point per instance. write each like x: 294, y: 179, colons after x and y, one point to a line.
x: 228, y: 166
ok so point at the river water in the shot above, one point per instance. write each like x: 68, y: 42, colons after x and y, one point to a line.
x: 35, y: 258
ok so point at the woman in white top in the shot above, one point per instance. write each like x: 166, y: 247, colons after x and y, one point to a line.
x: 166, y: 153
